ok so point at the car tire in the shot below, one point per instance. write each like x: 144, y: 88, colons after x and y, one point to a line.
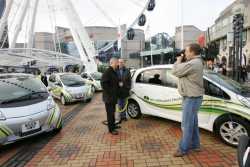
x: 133, y: 109
x: 63, y: 101
x: 58, y: 130
x: 230, y: 127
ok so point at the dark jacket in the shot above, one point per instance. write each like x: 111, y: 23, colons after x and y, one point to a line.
x: 109, y: 83
x: 126, y: 80
x: 44, y: 80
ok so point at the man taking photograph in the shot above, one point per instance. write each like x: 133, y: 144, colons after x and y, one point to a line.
x: 190, y: 87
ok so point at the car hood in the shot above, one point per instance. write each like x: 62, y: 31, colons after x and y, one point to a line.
x: 23, y: 111
x: 76, y: 90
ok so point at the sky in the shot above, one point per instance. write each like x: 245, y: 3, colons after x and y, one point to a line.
x: 165, y: 17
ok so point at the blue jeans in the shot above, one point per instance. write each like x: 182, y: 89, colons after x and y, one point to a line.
x: 190, y: 130
x: 121, y: 104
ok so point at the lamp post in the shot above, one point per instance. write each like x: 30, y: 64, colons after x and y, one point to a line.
x: 182, y: 26
x: 238, y: 22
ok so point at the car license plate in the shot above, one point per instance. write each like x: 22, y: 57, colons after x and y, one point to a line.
x: 79, y: 96
x: 29, y: 126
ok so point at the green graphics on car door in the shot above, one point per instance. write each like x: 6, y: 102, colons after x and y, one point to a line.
x: 210, y: 105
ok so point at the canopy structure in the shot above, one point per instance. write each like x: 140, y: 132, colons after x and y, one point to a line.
x: 43, y: 58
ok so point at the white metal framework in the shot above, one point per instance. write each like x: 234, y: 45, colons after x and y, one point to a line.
x: 27, y: 14
x: 80, y: 36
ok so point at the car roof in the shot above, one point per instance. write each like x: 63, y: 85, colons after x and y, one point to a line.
x: 66, y: 73
x: 155, y: 67
x: 16, y: 75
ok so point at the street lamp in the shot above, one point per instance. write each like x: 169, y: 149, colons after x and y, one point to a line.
x: 238, y: 25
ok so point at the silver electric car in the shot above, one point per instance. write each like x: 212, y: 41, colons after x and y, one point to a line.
x: 26, y: 108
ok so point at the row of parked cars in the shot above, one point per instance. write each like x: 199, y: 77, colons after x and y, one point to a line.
x: 70, y: 87
x: 27, y: 106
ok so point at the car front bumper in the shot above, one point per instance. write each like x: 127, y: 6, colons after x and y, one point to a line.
x: 84, y: 97
x: 11, y: 129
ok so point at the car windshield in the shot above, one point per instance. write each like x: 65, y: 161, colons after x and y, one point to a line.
x: 97, y: 76
x: 228, y: 83
x: 21, y: 88
x: 72, y: 80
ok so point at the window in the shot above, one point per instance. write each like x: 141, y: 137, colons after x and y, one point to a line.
x: 215, y: 91
x: 154, y: 77
x: 171, y: 80
x: 163, y: 77
x: 12, y: 87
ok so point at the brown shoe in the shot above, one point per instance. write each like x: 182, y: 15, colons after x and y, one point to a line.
x: 197, y: 150
x: 178, y: 153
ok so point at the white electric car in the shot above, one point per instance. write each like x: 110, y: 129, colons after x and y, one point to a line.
x: 26, y: 108
x: 70, y: 87
x: 225, y: 109
x: 94, y: 79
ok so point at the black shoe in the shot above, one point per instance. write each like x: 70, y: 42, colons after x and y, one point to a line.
x: 114, y: 132
x: 124, y: 119
x: 118, y: 122
x: 117, y: 127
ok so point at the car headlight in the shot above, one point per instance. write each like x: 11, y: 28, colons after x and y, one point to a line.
x: 244, y: 101
x: 51, y: 103
x: 2, y: 117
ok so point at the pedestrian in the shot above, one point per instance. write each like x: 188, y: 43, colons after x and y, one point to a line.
x: 224, y: 70
x: 190, y: 87
x: 44, y: 79
x: 110, y: 84
x: 210, y: 65
x: 216, y: 68
x: 243, y: 72
x: 124, y: 88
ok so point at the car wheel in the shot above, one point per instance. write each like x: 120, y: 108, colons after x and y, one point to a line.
x: 57, y: 130
x: 63, y: 101
x: 230, y: 128
x: 134, y: 110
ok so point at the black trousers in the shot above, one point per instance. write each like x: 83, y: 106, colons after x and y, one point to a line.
x: 110, y: 109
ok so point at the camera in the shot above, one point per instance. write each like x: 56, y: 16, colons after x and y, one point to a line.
x: 180, y: 53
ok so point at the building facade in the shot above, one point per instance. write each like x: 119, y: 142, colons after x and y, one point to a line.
x: 158, y: 50
x: 221, y: 33
x: 190, y: 35
x: 44, y: 40
x: 103, y: 37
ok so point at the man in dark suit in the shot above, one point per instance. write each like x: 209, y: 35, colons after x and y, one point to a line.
x: 110, y: 84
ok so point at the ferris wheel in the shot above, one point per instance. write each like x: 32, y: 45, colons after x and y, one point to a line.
x: 25, y: 17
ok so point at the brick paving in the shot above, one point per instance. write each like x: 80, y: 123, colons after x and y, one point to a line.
x: 146, y: 142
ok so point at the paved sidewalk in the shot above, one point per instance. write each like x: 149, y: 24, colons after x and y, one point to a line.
x: 150, y: 141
